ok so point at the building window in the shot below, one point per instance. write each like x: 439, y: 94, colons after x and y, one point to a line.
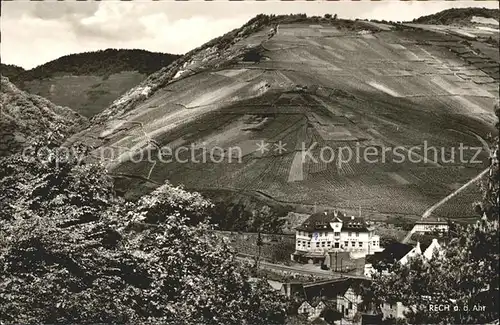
x: 317, y: 244
x: 346, y: 243
x: 353, y: 244
x: 298, y: 243
x: 329, y: 244
x: 360, y: 244
x: 357, y: 234
x: 322, y: 244
x: 337, y: 234
x: 350, y: 305
x: 310, y: 235
x: 337, y: 245
x: 349, y: 234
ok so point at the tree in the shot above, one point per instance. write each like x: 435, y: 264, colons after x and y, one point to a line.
x: 72, y: 252
x: 168, y: 200
x: 53, y: 183
x: 465, y: 275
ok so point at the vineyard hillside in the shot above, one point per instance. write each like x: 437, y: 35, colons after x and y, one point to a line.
x: 298, y: 83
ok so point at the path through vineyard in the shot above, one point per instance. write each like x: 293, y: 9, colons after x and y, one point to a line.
x: 428, y: 212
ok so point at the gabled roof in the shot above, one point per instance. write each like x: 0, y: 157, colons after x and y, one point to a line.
x: 395, y: 251
x: 354, y: 224
x: 321, y: 221
x: 329, y: 291
x: 330, y: 304
x: 332, y: 314
x: 315, y: 303
x: 318, y: 221
x: 326, y: 289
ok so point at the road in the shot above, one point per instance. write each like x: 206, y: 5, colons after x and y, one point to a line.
x: 407, y: 237
x: 437, y: 205
x: 298, y: 269
x: 428, y: 212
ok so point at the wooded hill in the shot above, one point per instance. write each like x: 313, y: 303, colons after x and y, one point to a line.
x: 101, y: 63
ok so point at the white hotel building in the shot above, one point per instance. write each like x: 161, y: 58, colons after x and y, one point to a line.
x: 333, y: 231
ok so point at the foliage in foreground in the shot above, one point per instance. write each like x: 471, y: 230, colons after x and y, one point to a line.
x: 464, y: 277
x: 72, y: 252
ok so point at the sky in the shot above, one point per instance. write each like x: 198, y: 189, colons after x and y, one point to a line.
x: 35, y: 32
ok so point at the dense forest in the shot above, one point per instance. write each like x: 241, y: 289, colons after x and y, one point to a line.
x: 101, y: 63
x: 10, y: 71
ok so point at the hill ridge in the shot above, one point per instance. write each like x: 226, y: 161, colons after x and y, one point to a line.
x: 103, y: 62
x: 211, y: 55
x: 88, y: 82
x: 460, y: 16
x: 10, y: 70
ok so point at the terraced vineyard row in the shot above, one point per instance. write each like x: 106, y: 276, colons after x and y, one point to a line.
x: 445, y: 175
